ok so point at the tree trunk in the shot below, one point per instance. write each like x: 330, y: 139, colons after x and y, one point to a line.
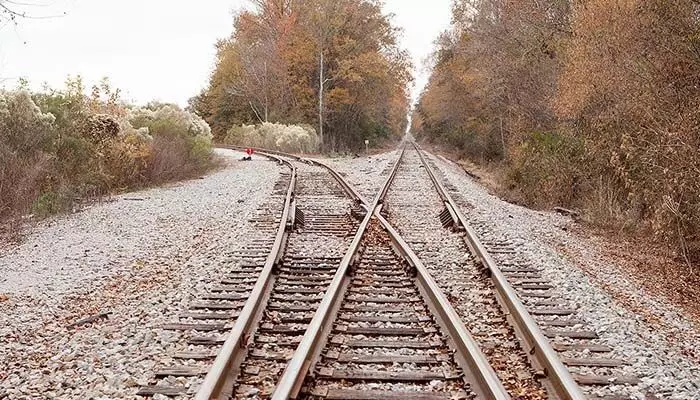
x: 320, y: 101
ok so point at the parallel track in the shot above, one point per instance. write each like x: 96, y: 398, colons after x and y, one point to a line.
x: 477, y: 377
x: 465, y: 374
x: 320, y: 221
x: 385, y: 344
x: 547, y: 323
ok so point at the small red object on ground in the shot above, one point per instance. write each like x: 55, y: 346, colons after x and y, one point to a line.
x: 249, y: 151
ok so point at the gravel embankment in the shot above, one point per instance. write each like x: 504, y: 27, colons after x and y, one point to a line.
x: 663, y: 353
x: 141, y: 257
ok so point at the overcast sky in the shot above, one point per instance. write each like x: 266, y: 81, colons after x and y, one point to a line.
x: 157, y: 49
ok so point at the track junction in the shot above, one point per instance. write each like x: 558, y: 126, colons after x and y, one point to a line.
x: 340, y: 297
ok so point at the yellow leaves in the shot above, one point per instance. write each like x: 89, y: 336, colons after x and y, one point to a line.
x: 270, y: 67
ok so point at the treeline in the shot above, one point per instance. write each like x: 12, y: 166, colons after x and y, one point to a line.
x: 592, y: 104
x: 59, y: 146
x: 283, y: 55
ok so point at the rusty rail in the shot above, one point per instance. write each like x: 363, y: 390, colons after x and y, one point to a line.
x: 352, y: 193
x: 222, y: 374
x: 313, y: 341
x: 484, y: 380
x: 468, y: 354
x: 560, y: 380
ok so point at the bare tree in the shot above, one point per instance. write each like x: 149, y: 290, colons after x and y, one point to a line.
x: 12, y: 11
x: 324, y: 28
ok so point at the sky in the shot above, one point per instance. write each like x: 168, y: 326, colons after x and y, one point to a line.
x: 158, y: 49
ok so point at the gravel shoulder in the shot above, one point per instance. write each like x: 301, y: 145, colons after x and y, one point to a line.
x: 606, y: 262
x: 140, y: 257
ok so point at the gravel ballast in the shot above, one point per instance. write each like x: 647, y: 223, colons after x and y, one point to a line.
x: 414, y: 207
x: 140, y: 256
x: 143, y: 256
x: 365, y: 174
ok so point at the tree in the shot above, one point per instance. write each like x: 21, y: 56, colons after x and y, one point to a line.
x: 11, y: 11
x: 335, y: 62
x: 498, y: 69
x: 591, y: 104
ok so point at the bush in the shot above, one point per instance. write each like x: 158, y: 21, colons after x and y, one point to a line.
x: 24, y: 128
x: 169, y: 120
x: 25, y: 134
x: 182, y: 141
x: 59, y: 146
x: 289, y: 138
x: 544, y: 168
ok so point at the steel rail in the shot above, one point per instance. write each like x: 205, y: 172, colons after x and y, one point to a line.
x: 469, y: 355
x: 224, y: 369
x: 538, y: 346
x: 311, y: 344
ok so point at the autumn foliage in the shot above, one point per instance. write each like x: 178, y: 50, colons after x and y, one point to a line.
x: 281, y: 54
x: 593, y: 104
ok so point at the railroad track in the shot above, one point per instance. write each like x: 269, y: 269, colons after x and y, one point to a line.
x: 248, y: 364
x: 342, y: 307
x: 600, y: 372
x: 385, y: 343
x: 316, y: 244
x: 428, y: 224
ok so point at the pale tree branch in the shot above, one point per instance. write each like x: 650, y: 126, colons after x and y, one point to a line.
x: 13, y: 11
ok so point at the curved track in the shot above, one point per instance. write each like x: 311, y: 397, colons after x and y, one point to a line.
x: 219, y: 310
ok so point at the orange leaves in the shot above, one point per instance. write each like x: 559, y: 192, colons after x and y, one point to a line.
x: 587, y: 89
x: 338, y: 97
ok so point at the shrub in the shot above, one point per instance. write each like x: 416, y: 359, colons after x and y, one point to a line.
x: 51, y: 202
x: 100, y: 128
x: 544, y: 168
x: 289, y: 138
x: 58, y: 146
x: 25, y: 134
x: 181, y: 143
x: 24, y: 128
x: 169, y: 120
